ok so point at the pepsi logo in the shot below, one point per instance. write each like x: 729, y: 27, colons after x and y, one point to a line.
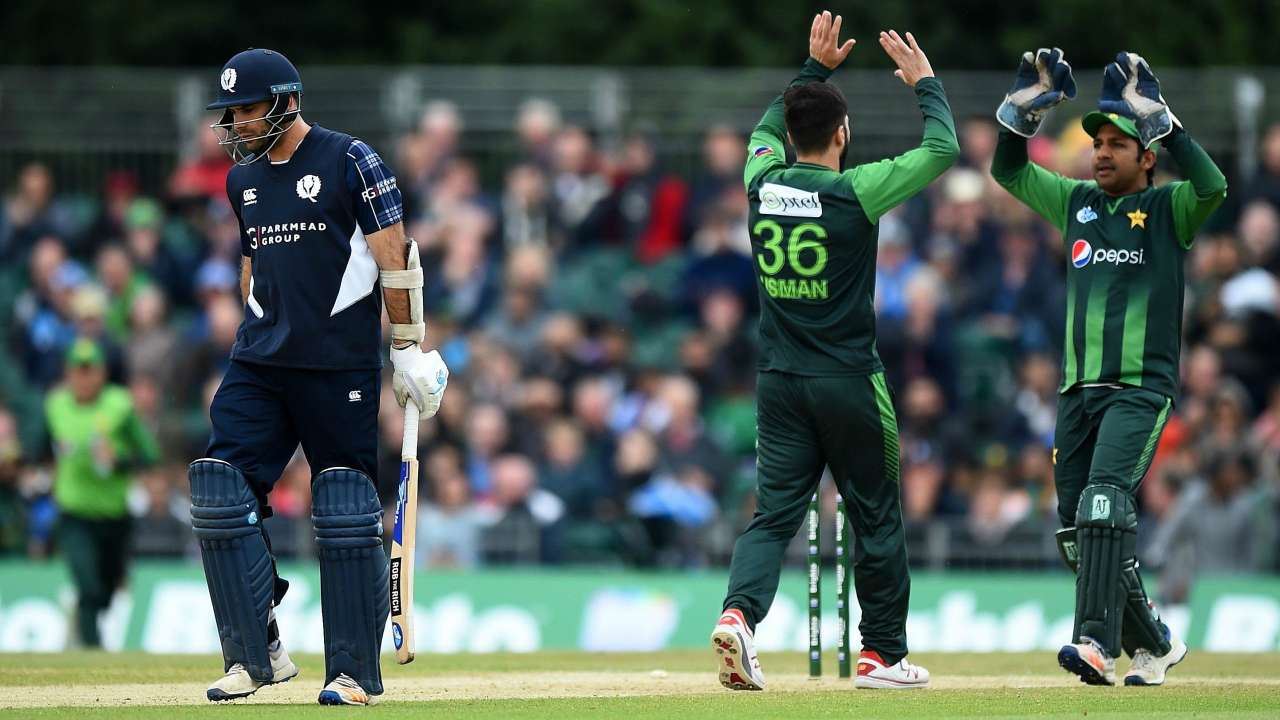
x: 1081, y: 251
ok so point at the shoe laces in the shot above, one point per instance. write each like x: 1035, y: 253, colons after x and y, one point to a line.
x: 347, y: 682
x: 1143, y: 659
x: 235, y: 669
x: 1086, y: 640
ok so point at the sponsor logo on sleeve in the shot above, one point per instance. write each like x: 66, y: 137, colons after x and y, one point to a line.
x: 783, y: 200
x: 382, y: 188
x: 761, y: 151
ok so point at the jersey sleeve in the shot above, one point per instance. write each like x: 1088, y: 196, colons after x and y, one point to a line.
x: 765, y: 149
x: 883, y: 185
x: 1047, y: 193
x: 376, y: 197
x: 142, y: 450
x: 235, y: 198
x: 1195, y: 198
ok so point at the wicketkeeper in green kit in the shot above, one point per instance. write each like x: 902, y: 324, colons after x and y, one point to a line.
x: 822, y: 399
x: 1125, y: 241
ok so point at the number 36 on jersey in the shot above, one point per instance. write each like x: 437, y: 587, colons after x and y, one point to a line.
x: 791, y: 263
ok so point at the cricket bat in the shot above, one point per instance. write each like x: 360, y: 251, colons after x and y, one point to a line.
x: 403, y: 540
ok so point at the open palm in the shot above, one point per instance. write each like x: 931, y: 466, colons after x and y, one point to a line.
x: 824, y: 40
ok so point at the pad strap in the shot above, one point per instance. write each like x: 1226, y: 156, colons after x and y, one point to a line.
x: 354, y: 597
x: 1143, y: 627
x: 237, y: 563
x: 401, y: 279
x: 1067, y: 548
x: 410, y: 279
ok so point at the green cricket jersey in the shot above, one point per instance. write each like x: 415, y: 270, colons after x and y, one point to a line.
x: 81, y: 485
x: 1124, y: 262
x: 813, y: 235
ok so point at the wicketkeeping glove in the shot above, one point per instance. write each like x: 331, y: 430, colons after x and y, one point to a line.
x: 1129, y: 88
x: 1043, y: 81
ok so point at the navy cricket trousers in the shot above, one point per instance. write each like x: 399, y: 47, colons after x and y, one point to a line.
x: 261, y: 413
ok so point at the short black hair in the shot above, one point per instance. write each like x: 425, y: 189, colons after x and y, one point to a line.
x: 813, y: 111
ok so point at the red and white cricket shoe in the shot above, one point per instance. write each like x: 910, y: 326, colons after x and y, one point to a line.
x: 735, y: 653
x: 873, y: 672
x: 1089, y: 661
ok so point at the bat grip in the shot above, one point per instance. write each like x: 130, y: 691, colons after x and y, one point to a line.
x: 409, y: 444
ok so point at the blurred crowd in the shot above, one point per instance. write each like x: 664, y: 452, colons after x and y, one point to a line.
x: 598, y: 315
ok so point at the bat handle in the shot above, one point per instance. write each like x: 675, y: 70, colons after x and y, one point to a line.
x: 409, y: 445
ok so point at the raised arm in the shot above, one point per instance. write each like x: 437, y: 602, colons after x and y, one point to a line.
x: 765, y: 149
x: 1045, y: 192
x: 883, y: 185
x: 1043, y: 81
x: 1130, y: 88
x: 1195, y: 198
x: 1203, y: 190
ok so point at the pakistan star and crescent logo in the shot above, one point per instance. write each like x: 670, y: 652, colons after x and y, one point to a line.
x: 229, y: 80
x: 1137, y: 218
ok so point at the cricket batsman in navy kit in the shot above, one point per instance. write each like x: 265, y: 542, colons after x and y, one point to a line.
x: 323, y: 246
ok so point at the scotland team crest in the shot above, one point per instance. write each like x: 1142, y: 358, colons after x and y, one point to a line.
x: 309, y: 187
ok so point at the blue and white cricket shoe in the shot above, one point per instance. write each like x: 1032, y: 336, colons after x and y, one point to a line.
x: 344, y: 691
x: 1088, y: 661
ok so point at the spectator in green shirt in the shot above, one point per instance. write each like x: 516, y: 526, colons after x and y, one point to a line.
x: 98, y: 441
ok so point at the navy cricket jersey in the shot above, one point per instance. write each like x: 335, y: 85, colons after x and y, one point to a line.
x: 314, y: 299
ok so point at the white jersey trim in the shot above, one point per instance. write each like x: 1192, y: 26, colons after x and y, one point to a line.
x: 254, y: 305
x: 359, y: 277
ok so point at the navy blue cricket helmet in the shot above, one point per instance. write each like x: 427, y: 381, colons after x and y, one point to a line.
x: 250, y: 77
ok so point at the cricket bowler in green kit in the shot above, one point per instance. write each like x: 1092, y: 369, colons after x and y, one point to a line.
x: 822, y: 399
x: 1125, y: 241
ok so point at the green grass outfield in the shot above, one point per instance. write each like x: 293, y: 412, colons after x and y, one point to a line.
x: 682, y: 685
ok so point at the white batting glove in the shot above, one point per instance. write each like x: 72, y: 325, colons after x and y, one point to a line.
x: 420, y: 377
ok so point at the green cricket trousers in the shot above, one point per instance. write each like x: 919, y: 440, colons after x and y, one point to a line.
x: 847, y: 424
x: 97, y: 551
x: 1106, y: 438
